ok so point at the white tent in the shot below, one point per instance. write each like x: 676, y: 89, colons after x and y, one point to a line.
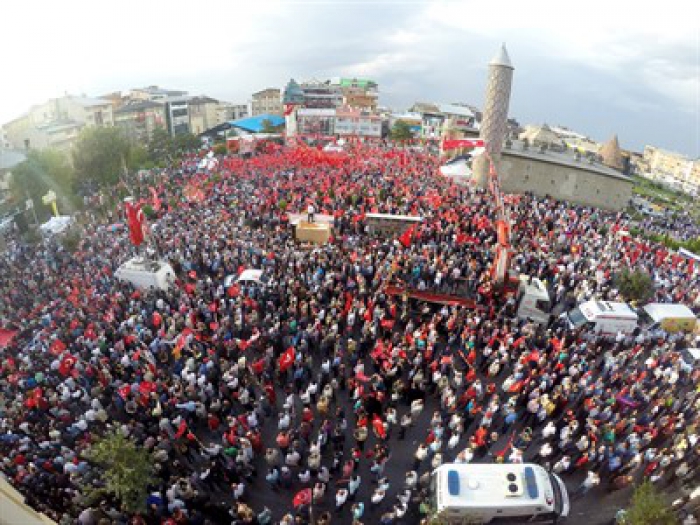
x: 458, y: 168
x: 57, y: 224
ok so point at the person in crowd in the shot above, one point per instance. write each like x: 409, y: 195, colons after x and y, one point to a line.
x: 331, y: 372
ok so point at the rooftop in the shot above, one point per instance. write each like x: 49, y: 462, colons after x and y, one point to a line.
x: 89, y: 101
x: 562, y: 158
x: 10, y: 158
x: 203, y: 99
x: 454, y: 109
x: 137, y: 106
x: 155, y: 90
x: 502, y: 58
x: 255, y: 124
x: 56, y: 126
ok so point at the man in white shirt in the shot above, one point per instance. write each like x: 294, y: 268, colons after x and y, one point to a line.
x: 311, y: 211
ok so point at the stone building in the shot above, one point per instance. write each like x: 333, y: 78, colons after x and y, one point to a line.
x: 564, y: 177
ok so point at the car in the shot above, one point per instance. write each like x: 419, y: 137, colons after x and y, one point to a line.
x: 249, y: 281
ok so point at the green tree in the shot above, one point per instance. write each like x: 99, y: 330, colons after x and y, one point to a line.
x: 149, y: 212
x: 43, y: 171
x: 161, y: 147
x: 186, y: 142
x: 220, y: 149
x: 634, y: 285
x: 268, y: 127
x: 126, y: 471
x: 649, y: 508
x: 139, y: 158
x: 401, y: 131
x: 101, y: 154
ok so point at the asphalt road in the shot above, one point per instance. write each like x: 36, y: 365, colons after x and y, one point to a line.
x: 596, y: 507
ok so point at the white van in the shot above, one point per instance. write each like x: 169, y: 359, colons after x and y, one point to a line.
x: 668, y: 317
x: 498, y: 493
x: 603, y: 317
x: 249, y: 280
x: 533, y: 300
x: 146, y: 274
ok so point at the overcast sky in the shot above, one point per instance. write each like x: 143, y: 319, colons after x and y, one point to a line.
x: 599, y: 67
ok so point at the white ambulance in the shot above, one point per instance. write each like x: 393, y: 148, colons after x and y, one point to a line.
x: 603, y: 317
x: 498, y: 493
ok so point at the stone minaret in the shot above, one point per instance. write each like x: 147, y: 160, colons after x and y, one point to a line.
x: 494, y: 123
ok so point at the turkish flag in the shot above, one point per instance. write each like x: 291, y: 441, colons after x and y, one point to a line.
x: 379, y: 426
x: 449, y: 144
x: 259, y: 366
x: 57, y: 347
x: 387, y: 324
x: 157, y: 319
x: 303, y: 497
x: 67, y: 364
x: 181, y: 429
x: 287, y: 359
x: 125, y: 391
x: 136, y: 221
x: 407, y: 237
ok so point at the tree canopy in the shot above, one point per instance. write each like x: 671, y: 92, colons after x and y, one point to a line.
x: 401, y: 131
x: 127, y: 471
x: 635, y: 285
x: 268, y: 127
x: 101, y: 154
x: 42, y: 171
x: 649, y: 508
x: 162, y: 148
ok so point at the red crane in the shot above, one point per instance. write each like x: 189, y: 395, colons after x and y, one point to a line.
x: 500, y: 273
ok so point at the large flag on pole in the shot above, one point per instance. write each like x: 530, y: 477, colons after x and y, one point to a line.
x: 449, y: 144
x: 136, y: 220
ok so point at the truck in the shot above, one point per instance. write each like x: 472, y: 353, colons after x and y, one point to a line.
x: 670, y: 318
x: 533, y: 300
x: 531, y: 296
x: 497, y: 493
x: 146, y: 274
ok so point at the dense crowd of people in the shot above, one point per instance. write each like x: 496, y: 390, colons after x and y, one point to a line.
x: 269, y: 404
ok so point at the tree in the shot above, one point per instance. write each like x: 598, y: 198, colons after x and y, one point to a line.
x: 634, y: 285
x: 220, y: 149
x: 126, y: 470
x: 139, y: 158
x: 43, y: 171
x: 649, y: 508
x: 268, y: 127
x: 186, y: 142
x: 161, y: 148
x: 401, y: 131
x: 101, y: 154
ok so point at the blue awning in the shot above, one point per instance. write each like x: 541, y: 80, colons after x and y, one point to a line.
x: 255, y: 124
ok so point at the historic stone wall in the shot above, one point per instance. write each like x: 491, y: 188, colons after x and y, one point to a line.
x: 565, y: 181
